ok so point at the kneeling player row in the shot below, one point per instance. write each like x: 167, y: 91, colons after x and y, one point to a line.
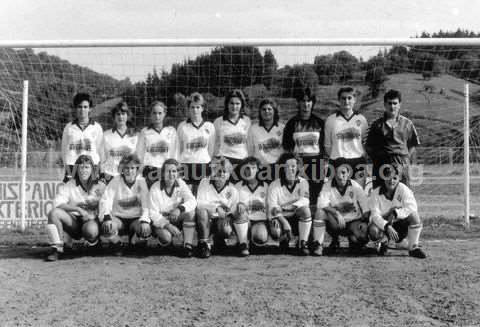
x: 85, y: 208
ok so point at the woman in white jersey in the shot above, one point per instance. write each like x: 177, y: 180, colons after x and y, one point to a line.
x: 124, y: 205
x: 196, y: 138
x: 289, y: 205
x: 156, y: 143
x: 76, y: 209
x: 265, y: 139
x: 172, y: 207
x: 252, y: 203
x: 81, y: 136
x: 118, y: 142
x: 231, y: 130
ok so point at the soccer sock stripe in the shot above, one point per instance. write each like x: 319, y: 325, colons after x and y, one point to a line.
x: 319, y: 231
x: 304, y: 226
x: 413, y: 235
x: 241, y: 228
x: 188, y: 232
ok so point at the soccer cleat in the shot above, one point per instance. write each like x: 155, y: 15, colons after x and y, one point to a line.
x: 303, y: 248
x: 417, y: 253
x: 203, y: 250
x: 316, y: 249
x: 53, y: 255
x: 187, y: 250
x: 382, y: 248
x: 333, y: 247
x: 243, y: 250
x: 284, y: 245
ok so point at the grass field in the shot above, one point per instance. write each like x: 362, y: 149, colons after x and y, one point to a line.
x: 266, y: 289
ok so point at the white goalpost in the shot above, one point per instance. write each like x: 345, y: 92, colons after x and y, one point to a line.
x: 280, y: 43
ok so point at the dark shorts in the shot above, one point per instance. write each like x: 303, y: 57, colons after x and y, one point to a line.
x: 401, y: 227
x: 314, y: 171
x: 403, y: 162
x: 357, y: 167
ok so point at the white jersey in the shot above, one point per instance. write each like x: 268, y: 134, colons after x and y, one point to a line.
x: 402, y: 199
x: 154, y: 147
x: 77, y: 141
x: 266, y: 145
x: 209, y: 198
x: 124, y: 201
x: 75, y: 195
x: 345, y: 137
x: 196, y: 143
x: 231, y: 138
x: 115, y: 147
x: 254, y: 199
x: 160, y: 202
x: 285, y: 200
x: 352, y: 204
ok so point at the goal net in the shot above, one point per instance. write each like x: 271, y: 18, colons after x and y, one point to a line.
x: 431, y: 79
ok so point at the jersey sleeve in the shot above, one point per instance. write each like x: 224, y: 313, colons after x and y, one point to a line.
x: 375, y: 213
x: 99, y: 141
x: 63, y: 196
x: 409, y: 204
x: 323, y: 200
x: 304, y: 200
x: 181, y: 139
x: 250, y: 142
x: 65, y: 144
x: 218, y: 136
x: 364, y: 129
x: 175, y: 153
x: 106, y: 201
x: 188, y: 200
x: 211, y: 140
x: 273, y: 203
x: 156, y: 217
x: 413, y: 139
x: 328, y: 130
x: 141, y: 146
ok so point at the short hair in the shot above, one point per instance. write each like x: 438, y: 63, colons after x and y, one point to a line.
x: 276, y: 115
x: 282, y: 160
x: 391, y: 95
x: 346, y: 89
x: 195, y: 97
x: 306, y: 94
x: 85, y: 159
x: 236, y: 93
x: 251, y: 160
x: 80, y: 97
x: 157, y: 103
x: 127, y: 159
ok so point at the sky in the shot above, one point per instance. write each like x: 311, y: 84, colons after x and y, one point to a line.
x: 142, y: 19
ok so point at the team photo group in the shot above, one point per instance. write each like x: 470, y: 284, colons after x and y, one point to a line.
x: 266, y: 182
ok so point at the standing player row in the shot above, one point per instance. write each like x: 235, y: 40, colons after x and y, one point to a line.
x: 391, y: 139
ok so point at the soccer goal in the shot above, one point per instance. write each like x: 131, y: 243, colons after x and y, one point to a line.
x: 438, y: 79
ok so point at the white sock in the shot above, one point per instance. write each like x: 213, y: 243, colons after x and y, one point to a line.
x: 188, y: 231
x: 318, y: 230
x: 413, y: 235
x: 304, y: 228
x: 54, y: 237
x: 242, y: 231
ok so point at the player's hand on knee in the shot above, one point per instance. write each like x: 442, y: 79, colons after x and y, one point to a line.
x: 222, y: 212
x: 174, y: 215
x: 173, y: 230
x: 392, y: 233
x: 144, y: 230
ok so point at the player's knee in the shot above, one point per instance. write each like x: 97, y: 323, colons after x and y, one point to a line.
x: 259, y: 234
x: 414, y: 218
x: 143, y: 231
x: 275, y: 232
x: 303, y: 213
x: 164, y: 236
x: 374, y: 232
x: 320, y: 214
x: 90, y: 231
x: 53, y: 215
x: 189, y: 216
